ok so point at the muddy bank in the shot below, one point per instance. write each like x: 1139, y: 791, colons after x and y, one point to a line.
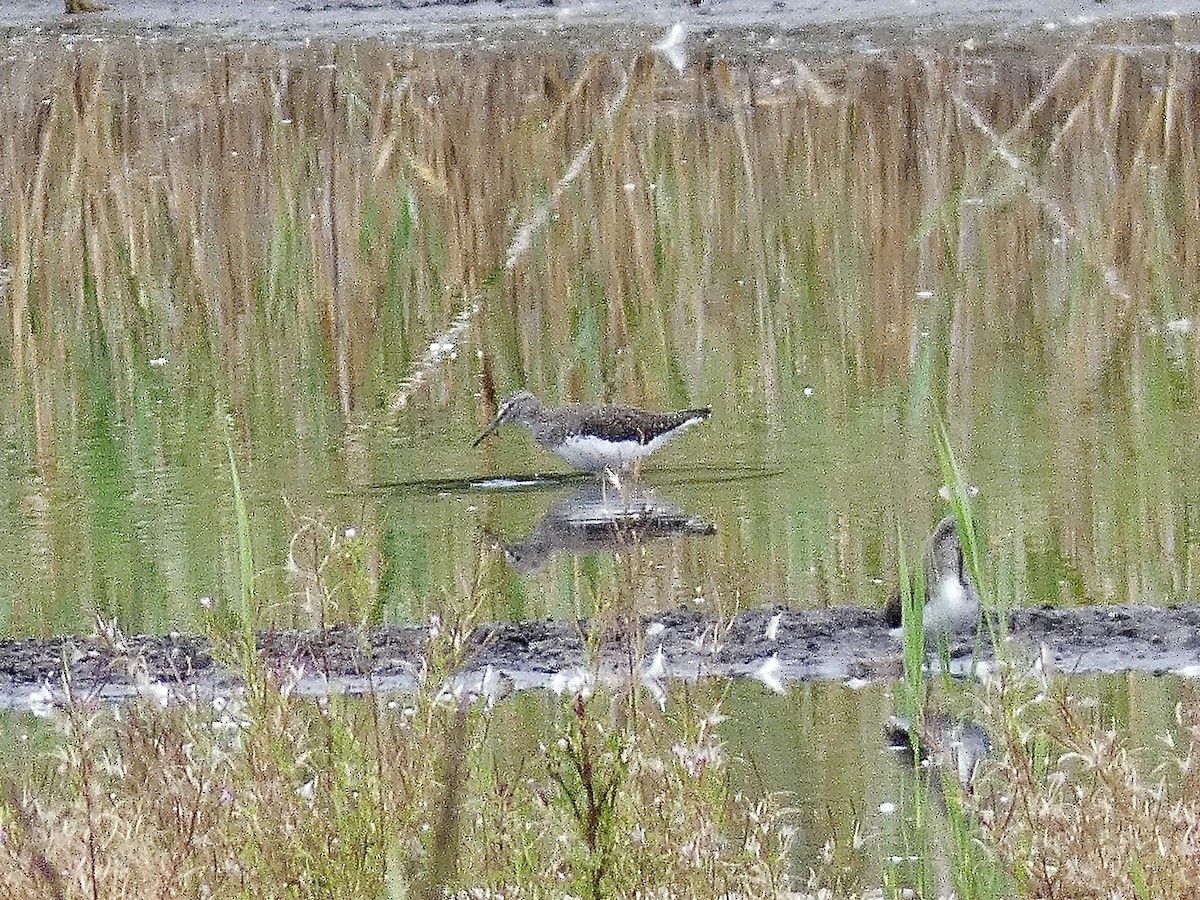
x: 734, y: 26
x: 778, y: 646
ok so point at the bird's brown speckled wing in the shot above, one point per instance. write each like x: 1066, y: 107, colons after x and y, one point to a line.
x: 621, y: 423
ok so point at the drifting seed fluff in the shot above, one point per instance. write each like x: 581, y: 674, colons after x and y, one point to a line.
x: 652, y: 677
x: 573, y: 682
x: 42, y: 703
x: 657, y: 667
x: 1179, y: 326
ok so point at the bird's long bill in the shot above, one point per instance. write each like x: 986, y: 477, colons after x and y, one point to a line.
x: 495, y: 424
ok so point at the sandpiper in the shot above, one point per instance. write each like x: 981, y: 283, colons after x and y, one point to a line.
x: 951, y: 600
x: 594, y: 438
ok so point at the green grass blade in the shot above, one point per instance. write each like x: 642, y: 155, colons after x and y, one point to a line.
x: 245, y: 555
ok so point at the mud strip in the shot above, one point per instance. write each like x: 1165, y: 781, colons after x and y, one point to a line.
x: 777, y: 646
x: 742, y: 26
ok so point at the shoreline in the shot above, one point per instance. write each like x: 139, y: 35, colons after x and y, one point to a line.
x: 778, y: 646
x: 734, y: 27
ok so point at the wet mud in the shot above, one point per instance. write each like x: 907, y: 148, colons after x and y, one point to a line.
x: 777, y: 646
x: 728, y: 26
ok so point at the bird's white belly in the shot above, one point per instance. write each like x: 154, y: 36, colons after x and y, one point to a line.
x: 594, y: 454
x: 950, y: 607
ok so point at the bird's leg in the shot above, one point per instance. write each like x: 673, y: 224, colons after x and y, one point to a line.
x: 632, y: 473
x: 610, y: 477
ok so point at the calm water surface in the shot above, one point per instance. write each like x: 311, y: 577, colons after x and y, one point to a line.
x: 331, y: 258
x: 326, y: 255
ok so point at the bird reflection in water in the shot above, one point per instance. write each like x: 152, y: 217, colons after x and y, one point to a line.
x: 592, y: 521
x: 958, y: 747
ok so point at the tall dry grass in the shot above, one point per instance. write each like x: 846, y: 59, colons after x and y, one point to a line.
x: 1071, y: 807
x: 445, y: 791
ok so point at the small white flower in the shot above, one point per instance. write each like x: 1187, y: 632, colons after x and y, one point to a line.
x: 157, y: 692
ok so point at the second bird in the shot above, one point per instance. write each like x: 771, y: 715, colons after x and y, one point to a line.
x: 591, y: 437
x: 951, y: 599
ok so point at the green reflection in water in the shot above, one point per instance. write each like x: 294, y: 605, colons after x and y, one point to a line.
x: 829, y: 270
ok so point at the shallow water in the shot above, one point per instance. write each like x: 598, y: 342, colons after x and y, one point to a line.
x: 333, y: 256
x: 836, y: 254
